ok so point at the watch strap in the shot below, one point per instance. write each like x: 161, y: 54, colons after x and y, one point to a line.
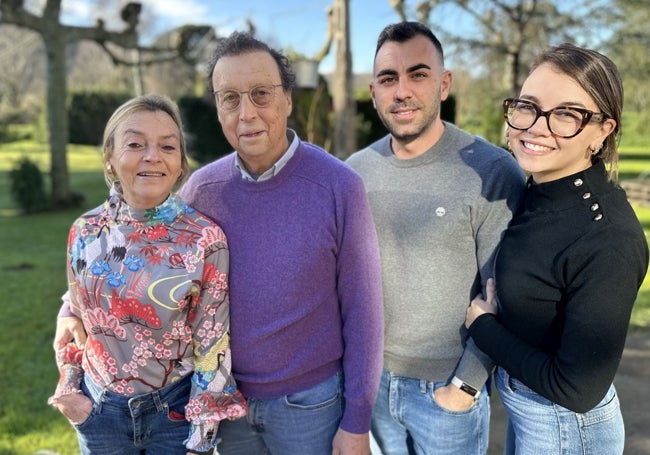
x: 465, y: 387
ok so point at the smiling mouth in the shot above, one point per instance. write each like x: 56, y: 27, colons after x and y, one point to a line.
x: 537, y: 148
x: 403, y: 111
x: 151, y: 174
x: 254, y: 134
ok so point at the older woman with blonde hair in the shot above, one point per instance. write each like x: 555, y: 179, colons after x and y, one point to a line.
x: 148, y: 276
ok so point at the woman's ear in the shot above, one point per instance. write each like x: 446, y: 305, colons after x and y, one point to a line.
x: 606, y: 128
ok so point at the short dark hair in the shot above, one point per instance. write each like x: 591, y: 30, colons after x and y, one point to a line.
x: 239, y: 43
x: 404, y: 31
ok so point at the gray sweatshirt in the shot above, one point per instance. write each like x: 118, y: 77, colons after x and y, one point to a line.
x: 439, y: 218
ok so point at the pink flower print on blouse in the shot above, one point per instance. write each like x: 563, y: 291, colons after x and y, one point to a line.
x: 190, y: 260
x: 214, y: 280
x: 105, y: 364
x: 99, y: 322
x: 210, y: 236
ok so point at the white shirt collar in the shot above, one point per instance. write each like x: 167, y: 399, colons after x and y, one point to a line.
x: 277, y: 167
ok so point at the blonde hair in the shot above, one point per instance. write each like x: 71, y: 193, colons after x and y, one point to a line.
x: 152, y: 103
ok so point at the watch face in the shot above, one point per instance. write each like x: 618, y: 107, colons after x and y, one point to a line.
x: 469, y: 389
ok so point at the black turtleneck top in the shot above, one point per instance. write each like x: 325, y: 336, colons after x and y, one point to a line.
x: 567, y: 274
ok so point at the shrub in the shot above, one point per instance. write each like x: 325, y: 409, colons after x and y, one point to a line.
x: 27, y: 186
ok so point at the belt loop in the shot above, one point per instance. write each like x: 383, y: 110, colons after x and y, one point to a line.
x: 100, y: 400
x: 155, y: 396
x: 423, y: 386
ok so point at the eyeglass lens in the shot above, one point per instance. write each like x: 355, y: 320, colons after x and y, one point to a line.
x: 562, y: 121
x: 260, y: 96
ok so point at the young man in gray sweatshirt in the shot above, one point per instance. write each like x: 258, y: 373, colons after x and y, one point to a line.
x: 441, y: 199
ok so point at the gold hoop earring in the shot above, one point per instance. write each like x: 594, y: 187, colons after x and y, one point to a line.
x: 596, y: 150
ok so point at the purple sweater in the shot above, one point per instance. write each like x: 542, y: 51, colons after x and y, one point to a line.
x: 305, y: 279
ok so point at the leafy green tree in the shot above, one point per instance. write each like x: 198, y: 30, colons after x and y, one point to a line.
x: 629, y: 50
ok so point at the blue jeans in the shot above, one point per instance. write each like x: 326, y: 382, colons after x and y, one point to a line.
x: 539, y: 426
x: 151, y: 423
x: 407, y: 420
x: 303, y: 422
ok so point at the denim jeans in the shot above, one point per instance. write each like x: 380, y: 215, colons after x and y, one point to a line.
x: 301, y: 423
x: 539, y: 426
x: 407, y: 420
x: 151, y: 423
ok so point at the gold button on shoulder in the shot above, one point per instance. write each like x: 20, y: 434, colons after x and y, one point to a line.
x: 577, y: 182
x: 598, y: 217
x: 595, y: 206
x: 587, y: 195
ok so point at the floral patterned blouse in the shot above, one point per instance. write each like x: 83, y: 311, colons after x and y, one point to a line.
x: 151, y: 288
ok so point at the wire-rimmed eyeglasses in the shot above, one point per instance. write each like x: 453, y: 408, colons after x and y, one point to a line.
x: 562, y: 121
x: 260, y: 96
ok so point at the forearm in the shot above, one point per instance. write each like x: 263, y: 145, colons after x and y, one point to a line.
x: 474, y: 366
x: 361, y: 300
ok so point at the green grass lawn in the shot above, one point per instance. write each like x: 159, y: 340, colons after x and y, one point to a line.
x: 32, y: 267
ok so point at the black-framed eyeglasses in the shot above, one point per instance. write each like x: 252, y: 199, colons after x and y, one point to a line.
x: 260, y: 96
x: 562, y: 121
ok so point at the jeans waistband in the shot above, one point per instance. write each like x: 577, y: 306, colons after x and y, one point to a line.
x: 154, y: 399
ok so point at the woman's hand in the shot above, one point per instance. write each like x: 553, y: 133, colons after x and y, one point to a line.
x: 479, y: 306
x: 76, y: 407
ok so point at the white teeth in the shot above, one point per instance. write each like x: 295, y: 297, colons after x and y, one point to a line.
x: 537, y: 148
x: 151, y: 174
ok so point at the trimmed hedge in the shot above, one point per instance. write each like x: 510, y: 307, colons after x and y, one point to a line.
x: 372, y: 129
x: 88, y: 113
x: 205, y: 139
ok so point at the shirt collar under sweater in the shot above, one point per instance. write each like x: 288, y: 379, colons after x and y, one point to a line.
x: 270, y: 173
x: 165, y: 213
x: 582, y: 188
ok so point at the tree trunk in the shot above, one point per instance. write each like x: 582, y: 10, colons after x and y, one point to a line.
x: 57, y: 118
x: 136, y: 71
x: 345, y: 133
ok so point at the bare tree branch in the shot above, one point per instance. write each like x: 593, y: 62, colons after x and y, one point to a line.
x: 322, y: 53
x: 57, y: 36
x: 400, y: 8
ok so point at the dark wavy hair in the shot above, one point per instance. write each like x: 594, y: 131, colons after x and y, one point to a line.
x: 239, y: 43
